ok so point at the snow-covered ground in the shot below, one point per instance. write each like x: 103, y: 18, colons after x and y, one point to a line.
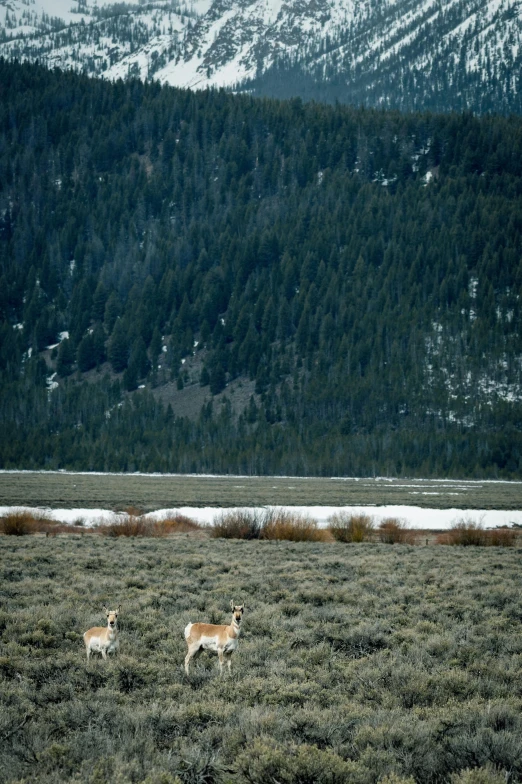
x: 413, y: 516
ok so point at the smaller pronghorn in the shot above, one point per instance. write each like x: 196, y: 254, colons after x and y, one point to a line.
x: 103, y: 639
x: 213, y: 637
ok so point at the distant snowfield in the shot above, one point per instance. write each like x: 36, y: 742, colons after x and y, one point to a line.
x: 413, y: 516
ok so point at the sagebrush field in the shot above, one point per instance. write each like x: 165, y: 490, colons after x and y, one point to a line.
x: 357, y: 663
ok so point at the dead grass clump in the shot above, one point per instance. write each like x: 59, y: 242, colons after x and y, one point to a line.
x: 292, y: 527
x: 22, y: 522
x: 238, y: 524
x: 394, y: 531
x: 346, y: 527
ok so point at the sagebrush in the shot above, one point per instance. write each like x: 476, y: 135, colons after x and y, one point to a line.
x: 357, y: 663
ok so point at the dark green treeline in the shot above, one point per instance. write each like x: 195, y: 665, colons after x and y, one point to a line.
x: 363, y: 267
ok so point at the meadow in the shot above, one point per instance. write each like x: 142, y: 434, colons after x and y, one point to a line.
x: 158, y: 491
x: 357, y: 663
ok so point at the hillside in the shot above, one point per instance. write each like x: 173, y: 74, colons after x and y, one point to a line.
x: 207, y: 282
x: 434, y: 54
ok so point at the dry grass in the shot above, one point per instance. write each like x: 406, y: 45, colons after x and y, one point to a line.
x: 394, y: 531
x: 345, y: 527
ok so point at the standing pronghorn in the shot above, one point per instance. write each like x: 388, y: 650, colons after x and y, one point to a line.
x: 104, y: 638
x: 213, y: 637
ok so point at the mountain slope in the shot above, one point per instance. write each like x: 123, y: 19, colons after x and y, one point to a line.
x: 460, y: 54
x: 343, y: 284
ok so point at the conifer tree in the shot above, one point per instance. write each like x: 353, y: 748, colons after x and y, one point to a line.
x: 118, y: 349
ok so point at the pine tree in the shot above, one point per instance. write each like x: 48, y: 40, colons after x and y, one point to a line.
x: 118, y: 349
x: 65, y: 360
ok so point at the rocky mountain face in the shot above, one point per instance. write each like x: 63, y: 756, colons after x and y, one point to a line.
x: 435, y: 54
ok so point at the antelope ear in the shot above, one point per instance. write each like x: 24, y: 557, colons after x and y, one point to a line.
x: 242, y: 608
x: 105, y: 610
x: 232, y: 604
x: 119, y: 608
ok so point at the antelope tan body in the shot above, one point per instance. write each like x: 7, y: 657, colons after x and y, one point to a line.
x: 221, y: 639
x: 103, y: 639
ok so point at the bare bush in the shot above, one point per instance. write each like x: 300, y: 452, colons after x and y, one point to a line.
x: 346, y: 527
x: 394, y: 531
x: 467, y: 533
x: 291, y: 526
x: 238, y: 524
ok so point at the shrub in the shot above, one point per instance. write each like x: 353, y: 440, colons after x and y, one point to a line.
x: 346, y: 527
x: 238, y: 524
x: 291, y: 526
x: 130, y: 678
x: 359, y: 642
x: 394, y: 531
x: 487, y: 775
x: 267, y: 761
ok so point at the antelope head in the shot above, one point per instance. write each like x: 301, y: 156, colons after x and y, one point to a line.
x: 237, y: 612
x: 112, y: 616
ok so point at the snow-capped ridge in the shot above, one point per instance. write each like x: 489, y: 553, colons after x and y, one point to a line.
x: 376, y: 51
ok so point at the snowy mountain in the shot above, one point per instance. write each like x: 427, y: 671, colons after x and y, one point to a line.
x: 403, y: 53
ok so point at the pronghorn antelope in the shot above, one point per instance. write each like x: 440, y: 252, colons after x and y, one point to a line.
x: 103, y: 638
x: 214, y: 637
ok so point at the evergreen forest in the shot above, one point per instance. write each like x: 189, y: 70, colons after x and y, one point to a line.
x: 340, y: 286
